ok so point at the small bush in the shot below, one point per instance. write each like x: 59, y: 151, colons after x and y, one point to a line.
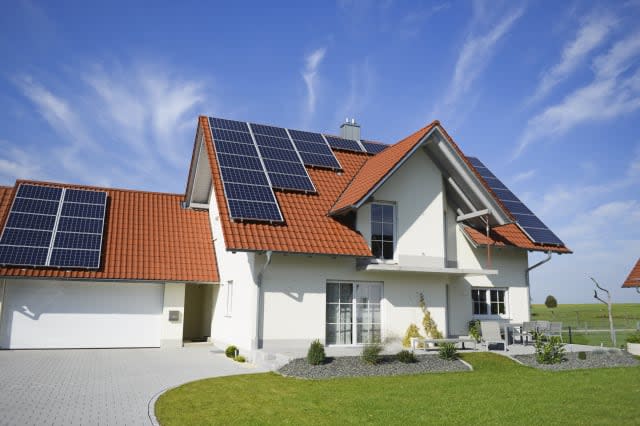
x: 448, y: 351
x: 551, y: 352
x: 315, y: 355
x: 231, y: 351
x: 240, y: 358
x: 371, y: 353
x: 582, y: 355
x: 634, y: 338
x: 412, y: 331
x: 406, y: 357
x: 551, y: 302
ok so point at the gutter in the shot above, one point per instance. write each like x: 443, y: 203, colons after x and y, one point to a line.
x: 255, y: 343
x: 526, y: 277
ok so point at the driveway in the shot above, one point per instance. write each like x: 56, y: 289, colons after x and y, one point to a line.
x: 99, y: 386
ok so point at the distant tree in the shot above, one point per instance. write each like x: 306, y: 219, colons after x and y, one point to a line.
x: 551, y: 302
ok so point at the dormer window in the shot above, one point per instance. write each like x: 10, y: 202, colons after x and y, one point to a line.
x: 382, y: 230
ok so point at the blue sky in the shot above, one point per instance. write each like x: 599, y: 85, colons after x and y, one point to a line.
x: 547, y: 94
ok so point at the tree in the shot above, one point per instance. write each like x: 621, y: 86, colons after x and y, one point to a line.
x: 551, y: 302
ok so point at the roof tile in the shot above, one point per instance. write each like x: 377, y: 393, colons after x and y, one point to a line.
x: 509, y: 235
x: 633, y: 280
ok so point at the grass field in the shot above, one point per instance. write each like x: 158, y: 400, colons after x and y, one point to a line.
x: 499, y: 391
x: 581, y: 317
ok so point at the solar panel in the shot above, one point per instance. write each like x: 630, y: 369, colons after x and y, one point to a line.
x: 314, y: 150
x: 279, y: 155
x: 54, y: 226
x: 529, y: 222
x: 344, y: 144
x: 247, y: 189
x: 373, y: 147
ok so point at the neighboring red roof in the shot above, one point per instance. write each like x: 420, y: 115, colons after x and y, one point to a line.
x: 307, y: 227
x: 633, y: 280
x: 148, y: 236
x: 377, y: 168
x: 509, y: 235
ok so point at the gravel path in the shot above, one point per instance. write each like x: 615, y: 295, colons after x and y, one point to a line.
x: 595, y: 359
x: 350, y: 366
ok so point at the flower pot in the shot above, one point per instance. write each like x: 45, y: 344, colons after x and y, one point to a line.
x: 633, y: 348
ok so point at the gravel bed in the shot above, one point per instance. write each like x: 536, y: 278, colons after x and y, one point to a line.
x: 350, y: 366
x: 595, y: 359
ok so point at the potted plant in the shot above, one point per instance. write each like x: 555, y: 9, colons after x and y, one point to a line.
x: 633, y: 343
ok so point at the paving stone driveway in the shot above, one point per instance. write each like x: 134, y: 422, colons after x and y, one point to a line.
x: 99, y: 386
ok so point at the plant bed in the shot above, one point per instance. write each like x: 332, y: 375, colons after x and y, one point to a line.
x: 351, y: 366
x: 595, y: 359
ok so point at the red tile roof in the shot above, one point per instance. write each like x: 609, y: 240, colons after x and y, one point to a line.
x: 633, y: 280
x: 509, y: 235
x: 148, y: 236
x: 377, y: 168
x: 307, y: 227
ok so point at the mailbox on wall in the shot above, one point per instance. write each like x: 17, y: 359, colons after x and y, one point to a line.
x: 174, y: 316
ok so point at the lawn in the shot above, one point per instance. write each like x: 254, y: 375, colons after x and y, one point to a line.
x: 498, y: 391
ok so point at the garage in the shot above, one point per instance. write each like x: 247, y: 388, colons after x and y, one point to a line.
x: 38, y: 314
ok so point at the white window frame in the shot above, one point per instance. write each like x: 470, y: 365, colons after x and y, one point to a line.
x: 229, y: 297
x: 487, y: 302
x: 394, y: 232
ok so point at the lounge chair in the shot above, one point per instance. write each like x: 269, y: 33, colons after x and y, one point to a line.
x: 555, y: 330
x: 528, y: 329
x: 542, y: 327
x: 491, y: 333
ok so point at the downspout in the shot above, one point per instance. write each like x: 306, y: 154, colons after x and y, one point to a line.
x: 256, y: 336
x: 3, y: 291
x: 526, y: 277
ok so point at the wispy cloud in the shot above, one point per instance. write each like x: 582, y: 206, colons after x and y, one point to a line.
x: 476, y: 53
x: 523, y: 176
x: 361, y: 86
x: 126, y: 124
x: 16, y: 163
x: 592, y: 32
x: 310, y: 76
x: 614, y: 91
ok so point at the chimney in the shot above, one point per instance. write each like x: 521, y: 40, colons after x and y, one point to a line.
x: 350, y: 129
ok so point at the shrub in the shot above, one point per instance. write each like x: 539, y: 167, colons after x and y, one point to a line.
x: 371, y: 353
x: 429, y: 324
x: 231, y: 351
x: 634, y: 338
x: 240, y: 358
x: 551, y: 352
x: 412, y: 331
x: 551, y: 302
x: 406, y: 357
x: 315, y: 355
x: 474, y: 329
x: 582, y: 355
x: 448, y: 351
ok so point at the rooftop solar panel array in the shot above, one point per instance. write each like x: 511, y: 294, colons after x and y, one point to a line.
x: 528, y: 221
x: 314, y: 150
x: 373, y: 147
x: 248, y: 191
x: 53, y: 226
x: 343, y: 144
x: 284, y: 166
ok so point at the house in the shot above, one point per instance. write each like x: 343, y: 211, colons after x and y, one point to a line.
x: 633, y: 280
x: 282, y: 236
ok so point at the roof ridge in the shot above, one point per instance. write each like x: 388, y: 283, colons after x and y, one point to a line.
x: 77, y: 185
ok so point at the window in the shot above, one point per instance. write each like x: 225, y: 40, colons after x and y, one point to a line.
x: 229, y: 298
x: 488, y: 301
x: 382, y: 224
x: 353, y: 313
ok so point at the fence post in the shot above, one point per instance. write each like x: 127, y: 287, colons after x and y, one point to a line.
x: 570, y: 336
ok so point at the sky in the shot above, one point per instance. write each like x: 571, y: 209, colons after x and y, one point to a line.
x: 546, y: 94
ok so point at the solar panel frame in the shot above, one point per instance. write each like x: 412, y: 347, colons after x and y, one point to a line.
x: 373, y: 147
x: 343, y: 144
x: 318, y: 146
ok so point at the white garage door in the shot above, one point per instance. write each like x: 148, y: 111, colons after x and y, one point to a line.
x: 58, y: 314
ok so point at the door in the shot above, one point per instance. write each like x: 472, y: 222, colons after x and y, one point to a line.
x: 353, y: 313
x: 65, y: 314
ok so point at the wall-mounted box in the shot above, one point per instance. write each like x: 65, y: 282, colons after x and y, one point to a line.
x: 174, y: 316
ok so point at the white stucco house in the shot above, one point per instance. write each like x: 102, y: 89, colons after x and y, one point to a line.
x: 245, y: 258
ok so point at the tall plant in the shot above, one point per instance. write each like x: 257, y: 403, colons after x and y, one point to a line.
x: 429, y: 324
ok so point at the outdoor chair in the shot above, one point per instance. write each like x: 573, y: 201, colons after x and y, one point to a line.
x: 542, y: 327
x: 491, y: 333
x: 555, y: 330
x: 528, y: 329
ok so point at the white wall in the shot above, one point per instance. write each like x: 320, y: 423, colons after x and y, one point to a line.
x: 416, y: 189
x: 238, y: 327
x: 294, y: 298
x: 171, y: 331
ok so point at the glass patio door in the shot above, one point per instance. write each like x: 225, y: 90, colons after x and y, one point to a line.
x: 343, y: 301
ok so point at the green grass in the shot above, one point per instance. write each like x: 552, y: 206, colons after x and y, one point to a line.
x: 591, y: 316
x: 499, y: 391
